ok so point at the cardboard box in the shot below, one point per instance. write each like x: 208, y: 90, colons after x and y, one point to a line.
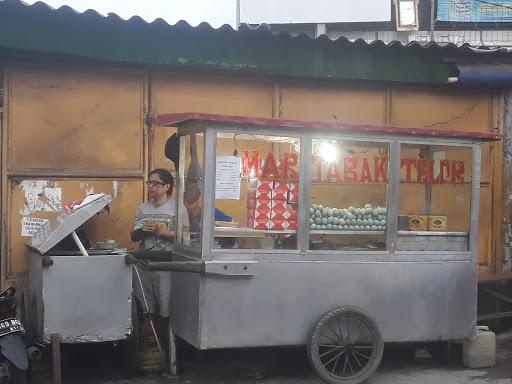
x: 259, y: 202
x: 293, y: 192
x: 288, y: 214
x: 261, y: 185
x: 276, y: 225
x: 257, y: 223
x: 292, y: 215
x: 418, y: 222
x: 437, y: 223
x: 281, y: 225
x: 291, y: 225
x: 280, y: 185
x: 278, y: 205
x: 259, y: 194
x: 262, y: 212
x: 279, y: 195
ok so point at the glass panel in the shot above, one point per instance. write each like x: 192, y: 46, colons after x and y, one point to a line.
x: 349, y: 182
x: 256, y: 191
x: 435, y: 198
x: 190, y: 190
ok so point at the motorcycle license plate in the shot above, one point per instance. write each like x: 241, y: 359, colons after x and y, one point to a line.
x: 8, y: 326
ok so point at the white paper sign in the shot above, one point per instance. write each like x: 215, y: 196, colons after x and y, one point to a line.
x: 227, y: 178
x: 53, y: 201
x: 30, y: 225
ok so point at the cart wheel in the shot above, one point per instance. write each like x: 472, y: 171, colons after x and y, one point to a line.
x: 346, y: 346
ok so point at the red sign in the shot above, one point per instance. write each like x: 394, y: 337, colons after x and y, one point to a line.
x: 352, y: 169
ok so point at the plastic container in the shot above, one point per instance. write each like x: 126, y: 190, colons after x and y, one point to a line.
x: 480, y: 351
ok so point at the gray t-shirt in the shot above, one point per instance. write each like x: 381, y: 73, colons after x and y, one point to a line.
x: 164, y: 215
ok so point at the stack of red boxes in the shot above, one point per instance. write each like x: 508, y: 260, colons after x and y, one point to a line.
x: 270, y: 205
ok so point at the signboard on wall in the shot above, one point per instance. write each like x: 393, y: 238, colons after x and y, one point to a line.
x: 318, y: 11
x: 475, y: 11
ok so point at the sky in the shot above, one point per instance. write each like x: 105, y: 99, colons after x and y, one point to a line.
x: 215, y: 12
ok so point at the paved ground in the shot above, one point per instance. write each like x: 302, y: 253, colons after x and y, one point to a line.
x: 280, y: 366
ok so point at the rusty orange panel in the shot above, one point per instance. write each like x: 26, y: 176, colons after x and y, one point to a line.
x: 76, y: 118
x: 211, y: 93
x: 160, y: 136
x: 458, y: 110
x: 30, y: 200
x: 322, y: 103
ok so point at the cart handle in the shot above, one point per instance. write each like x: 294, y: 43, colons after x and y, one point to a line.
x: 152, y: 256
x: 174, y: 266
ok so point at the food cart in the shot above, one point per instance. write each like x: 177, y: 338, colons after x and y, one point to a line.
x: 82, y: 295
x: 343, y: 237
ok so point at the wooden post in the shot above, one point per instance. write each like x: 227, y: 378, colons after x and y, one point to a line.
x: 171, y: 364
x: 56, y: 366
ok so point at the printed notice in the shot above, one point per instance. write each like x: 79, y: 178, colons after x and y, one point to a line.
x: 30, y: 225
x: 227, y: 178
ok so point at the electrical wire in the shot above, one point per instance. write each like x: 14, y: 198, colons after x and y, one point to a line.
x: 459, y: 116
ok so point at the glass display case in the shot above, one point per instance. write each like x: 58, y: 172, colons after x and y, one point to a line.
x: 349, y: 183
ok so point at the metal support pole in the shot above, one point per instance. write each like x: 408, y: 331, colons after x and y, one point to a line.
x: 172, y: 362
x: 79, y: 244
x: 56, y: 365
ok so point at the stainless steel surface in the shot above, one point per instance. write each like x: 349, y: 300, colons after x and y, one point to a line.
x: 76, y: 298
x: 393, y: 196
x: 304, y: 193
x: 429, y: 233
x: 331, y: 232
x: 210, y: 144
x: 239, y: 232
x: 412, y: 295
x: 178, y: 266
x: 410, y: 301
x: 185, y: 301
x: 61, y: 226
x: 475, y: 202
x: 231, y: 267
x: 427, y: 242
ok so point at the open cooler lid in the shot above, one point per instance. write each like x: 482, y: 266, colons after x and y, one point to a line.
x: 61, y: 226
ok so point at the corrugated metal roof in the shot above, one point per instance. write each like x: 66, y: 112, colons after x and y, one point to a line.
x: 39, y: 31
x: 262, y: 29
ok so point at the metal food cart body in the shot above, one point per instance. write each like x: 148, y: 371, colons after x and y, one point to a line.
x: 81, y: 298
x: 255, y: 298
x: 421, y: 300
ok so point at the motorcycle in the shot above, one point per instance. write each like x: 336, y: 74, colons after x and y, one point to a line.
x: 14, y: 356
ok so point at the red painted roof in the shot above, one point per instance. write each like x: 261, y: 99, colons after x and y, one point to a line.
x: 176, y: 119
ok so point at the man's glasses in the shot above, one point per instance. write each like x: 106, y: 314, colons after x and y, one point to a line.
x: 154, y: 182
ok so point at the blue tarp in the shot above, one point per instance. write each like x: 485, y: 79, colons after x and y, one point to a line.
x: 485, y: 72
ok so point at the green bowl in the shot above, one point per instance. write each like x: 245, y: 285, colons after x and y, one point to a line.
x: 106, y: 244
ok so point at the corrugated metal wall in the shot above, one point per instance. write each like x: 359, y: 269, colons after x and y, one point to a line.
x: 70, y: 128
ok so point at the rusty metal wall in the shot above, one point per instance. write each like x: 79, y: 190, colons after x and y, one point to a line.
x: 70, y: 130
x: 70, y: 125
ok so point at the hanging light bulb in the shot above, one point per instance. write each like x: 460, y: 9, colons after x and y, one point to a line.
x: 328, y: 152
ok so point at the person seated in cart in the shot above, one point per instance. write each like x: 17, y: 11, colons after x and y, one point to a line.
x: 192, y: 202
x: 154, y: 229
